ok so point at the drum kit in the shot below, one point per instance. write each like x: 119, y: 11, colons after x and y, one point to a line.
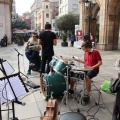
x: 57, y: 81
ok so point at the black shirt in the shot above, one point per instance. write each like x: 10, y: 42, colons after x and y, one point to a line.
x: 47, y: 38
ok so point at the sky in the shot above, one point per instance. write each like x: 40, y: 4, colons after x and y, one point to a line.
x: 23, y: 6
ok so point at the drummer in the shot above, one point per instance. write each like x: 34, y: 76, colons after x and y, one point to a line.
x: 92, y: 60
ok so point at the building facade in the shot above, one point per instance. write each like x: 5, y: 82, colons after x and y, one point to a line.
x: 47, y: 13
x: 109, y: 23
x: 5, y: 19
x: 68, y: 6
x: 33, y: 15
x: 14, y: 15
x: 26, y: 18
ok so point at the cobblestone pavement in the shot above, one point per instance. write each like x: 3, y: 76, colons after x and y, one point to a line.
x: 36, y: 105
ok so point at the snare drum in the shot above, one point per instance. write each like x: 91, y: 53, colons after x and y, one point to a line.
x: 61, y: 67
x: 53, y: 61
x: 77, y: 75
x: 52, y: 83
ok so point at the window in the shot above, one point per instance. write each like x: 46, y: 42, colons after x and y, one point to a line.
x: 40, y: 17
x: 53, y: 24
x: 60, y: 10
x: 61, y: 1
x: 66, y: 7
x: 47, y: 15
x: 75, y: 6
x: 46, y: 6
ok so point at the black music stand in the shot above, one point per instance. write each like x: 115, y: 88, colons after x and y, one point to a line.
x: 9, y: 81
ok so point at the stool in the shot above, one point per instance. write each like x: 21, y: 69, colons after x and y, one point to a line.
x: 72, y: 116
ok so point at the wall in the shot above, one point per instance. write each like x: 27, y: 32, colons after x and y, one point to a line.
x: 5, y: 21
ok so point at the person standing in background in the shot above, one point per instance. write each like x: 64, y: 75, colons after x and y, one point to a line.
x: 5, y: 39
x: 47, y: 39
x: 73, y: 39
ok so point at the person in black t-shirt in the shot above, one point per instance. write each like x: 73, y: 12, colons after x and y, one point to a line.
x: 47, y: 39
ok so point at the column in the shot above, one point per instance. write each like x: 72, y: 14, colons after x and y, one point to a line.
x: 82, y: 17
x: 103, y: 26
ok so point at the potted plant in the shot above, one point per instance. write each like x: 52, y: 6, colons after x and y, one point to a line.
x: 64, y: 38
x: 20, y: 39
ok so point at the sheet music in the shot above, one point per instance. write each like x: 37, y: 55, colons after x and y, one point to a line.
x: 8, y: 68
x: 7, y: 93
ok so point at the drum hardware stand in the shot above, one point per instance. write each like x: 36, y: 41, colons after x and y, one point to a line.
x: 19, y: 63
x: 65, y: 97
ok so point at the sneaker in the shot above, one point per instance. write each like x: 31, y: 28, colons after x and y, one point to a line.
x: 71, y: 91
x: 31, y: 64
x: 86, y: 98
x: 28, y: 72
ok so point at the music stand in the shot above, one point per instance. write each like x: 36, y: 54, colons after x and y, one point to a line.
x: 10, y: 82
x: 8, y: 68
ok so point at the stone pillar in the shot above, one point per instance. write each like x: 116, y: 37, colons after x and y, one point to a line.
x: 82, y: 17
x: 116, y: 41
x: 110, y: 32
x: 103, y: 35
x: 119, y: 37
x: 5, y: 19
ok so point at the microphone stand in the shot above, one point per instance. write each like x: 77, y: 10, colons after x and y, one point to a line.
x: 19, y: 63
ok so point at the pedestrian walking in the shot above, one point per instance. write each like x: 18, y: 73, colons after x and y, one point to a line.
x: 73, y: 39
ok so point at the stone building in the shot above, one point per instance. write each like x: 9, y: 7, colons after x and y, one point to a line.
x: 14, y: 15
x: 5, y: 19
x: 68, y: 6
x: 26, y: 18
x: 47, y: 13
x: 109, y: 23
x: 33, y: 15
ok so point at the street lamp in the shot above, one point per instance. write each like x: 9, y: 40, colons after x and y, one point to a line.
x: 89, y: 4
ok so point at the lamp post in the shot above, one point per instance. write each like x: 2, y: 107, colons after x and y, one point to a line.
x: 89, y: 4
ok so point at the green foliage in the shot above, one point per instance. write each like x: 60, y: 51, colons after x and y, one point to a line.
x: 67, y: 22
x: 19, y: 24
x: 64, y: 37
x: 20, y: 38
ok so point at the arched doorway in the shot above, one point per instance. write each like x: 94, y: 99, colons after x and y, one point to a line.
x: 94, y: 21
x: 106, y: 15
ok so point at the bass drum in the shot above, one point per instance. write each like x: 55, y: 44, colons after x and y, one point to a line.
x: 52, y: 83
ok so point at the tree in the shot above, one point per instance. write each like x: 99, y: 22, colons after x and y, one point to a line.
x: 19, y: 24
x: 67, y: 22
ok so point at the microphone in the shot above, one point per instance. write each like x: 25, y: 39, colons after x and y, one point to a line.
x: 21, y: 103
x: 17, y: 51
